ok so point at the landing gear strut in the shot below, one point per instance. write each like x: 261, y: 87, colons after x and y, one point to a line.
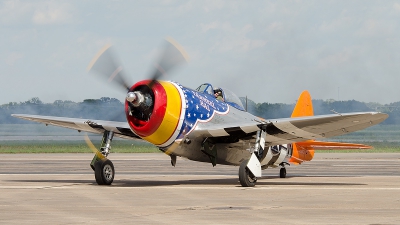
x: 250, y: 169
x: 103, y: 168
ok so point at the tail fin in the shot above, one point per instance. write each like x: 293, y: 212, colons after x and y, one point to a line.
x: 303, y: 106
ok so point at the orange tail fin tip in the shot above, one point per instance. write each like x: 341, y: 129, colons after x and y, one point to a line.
x: 303, y: 106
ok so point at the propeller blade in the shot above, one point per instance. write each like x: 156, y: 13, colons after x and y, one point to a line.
x: 105, y: 64
x: 93, y: 148
x: 171, y: 56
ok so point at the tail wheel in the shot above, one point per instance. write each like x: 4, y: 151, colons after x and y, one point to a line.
x: 104, y: 172
x: 282, y: 172
x: 246, y: 178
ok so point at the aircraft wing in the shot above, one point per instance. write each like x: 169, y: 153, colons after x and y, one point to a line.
x: 120, y: 129
x: 289, y: 130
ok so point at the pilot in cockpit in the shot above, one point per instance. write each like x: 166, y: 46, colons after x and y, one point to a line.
x: 218, y: 94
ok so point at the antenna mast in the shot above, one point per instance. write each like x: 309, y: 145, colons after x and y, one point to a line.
x: 246, y: 103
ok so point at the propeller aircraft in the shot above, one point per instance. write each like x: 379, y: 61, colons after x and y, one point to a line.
x: 196, y: 125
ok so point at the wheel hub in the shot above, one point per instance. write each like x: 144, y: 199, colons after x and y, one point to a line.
x: 250, y: 176
x: 108, y: 172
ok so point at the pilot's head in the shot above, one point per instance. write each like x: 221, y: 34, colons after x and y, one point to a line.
x: 217, y: 92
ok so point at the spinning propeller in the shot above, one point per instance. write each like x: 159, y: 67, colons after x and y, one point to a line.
x: 108, y: 67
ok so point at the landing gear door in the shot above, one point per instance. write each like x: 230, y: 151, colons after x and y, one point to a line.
x: 254, y: 165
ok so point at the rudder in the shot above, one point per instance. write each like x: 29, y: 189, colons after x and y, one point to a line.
x: 303, y: 107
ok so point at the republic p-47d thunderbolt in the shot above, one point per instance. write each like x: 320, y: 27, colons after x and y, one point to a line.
x: 197, y: 125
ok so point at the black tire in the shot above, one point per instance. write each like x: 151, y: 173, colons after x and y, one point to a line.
x: 104, y: 172
x: 246, y: 178
x: 282, y: 173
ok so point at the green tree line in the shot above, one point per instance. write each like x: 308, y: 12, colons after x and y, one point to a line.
x: 323, y: 107
x: 102, y: 109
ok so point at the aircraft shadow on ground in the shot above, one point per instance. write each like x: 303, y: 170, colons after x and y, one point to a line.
x: 268, y: 181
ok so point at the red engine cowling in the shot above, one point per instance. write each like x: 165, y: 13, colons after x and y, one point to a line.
x: 159, y: 117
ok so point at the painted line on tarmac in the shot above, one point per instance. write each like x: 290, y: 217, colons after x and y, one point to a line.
x: 360, y: 165
x: 259, y: 187
x: 68, y: 186
x: 202, y: 187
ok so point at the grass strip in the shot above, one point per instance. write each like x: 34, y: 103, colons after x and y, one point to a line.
x: 14, y: 147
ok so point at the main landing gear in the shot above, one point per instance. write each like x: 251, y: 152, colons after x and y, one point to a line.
x: 103, y: 168
x: 104, y: 172
x: 250, y: 169
x: 246, y: 177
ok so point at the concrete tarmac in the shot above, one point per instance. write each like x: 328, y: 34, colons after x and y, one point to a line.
x: 350, y: 188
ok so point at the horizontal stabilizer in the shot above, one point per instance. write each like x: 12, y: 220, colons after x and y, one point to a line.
x: 323, y: 145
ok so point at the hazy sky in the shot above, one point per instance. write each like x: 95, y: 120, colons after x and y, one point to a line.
x: 267, y: 50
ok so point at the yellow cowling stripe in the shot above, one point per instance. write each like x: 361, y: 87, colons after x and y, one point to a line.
x: 171, y: 117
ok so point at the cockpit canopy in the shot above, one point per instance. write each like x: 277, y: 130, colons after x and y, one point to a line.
x: 229, y: 97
